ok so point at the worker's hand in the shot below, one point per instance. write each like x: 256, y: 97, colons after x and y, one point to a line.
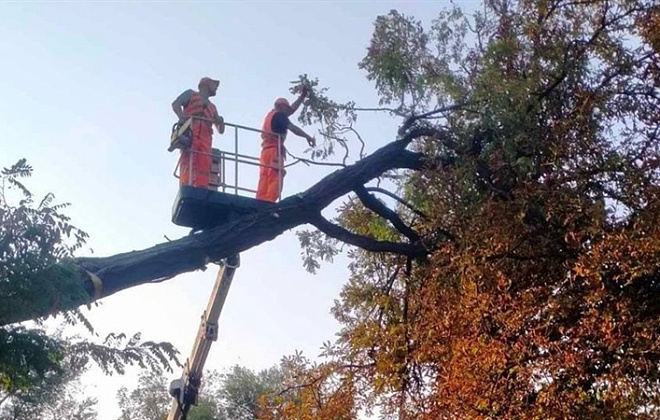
x: 311, y: 141
x: 220, y: 124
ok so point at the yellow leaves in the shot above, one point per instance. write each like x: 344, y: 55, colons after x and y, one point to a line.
x: 624, y: 256
x: 312, y: 392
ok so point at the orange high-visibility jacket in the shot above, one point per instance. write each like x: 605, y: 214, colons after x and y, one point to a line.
x: 269, y: 139
x: 195, y: 107
x: 196, y: 161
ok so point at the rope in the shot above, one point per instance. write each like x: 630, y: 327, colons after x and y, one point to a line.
x: 97, y: 283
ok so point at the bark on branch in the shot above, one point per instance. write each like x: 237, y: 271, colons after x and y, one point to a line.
x: 369, y: 244
x: 194, y: 252
x: 372, y: 203
x: 398, y: 199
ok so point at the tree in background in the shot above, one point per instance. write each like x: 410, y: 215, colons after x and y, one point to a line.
x: 241, y: 388
x: 36, y: 240
x: 234, y: 394
x: 53, y: 398
x: 148, y: 401
x: 538, y: 205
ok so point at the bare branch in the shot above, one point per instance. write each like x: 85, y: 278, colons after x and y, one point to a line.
x: 399, y: 199
x: 372, y: 203
x: 359, y: 137
x: 413, y: 118
x: 369, y: 244
x: 341, y: 141
x: 5, y: 398
x: 395, y: 111
x: 298, y: 159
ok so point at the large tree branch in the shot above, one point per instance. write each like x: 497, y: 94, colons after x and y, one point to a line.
x: 193, y: 252
x: 398, y: 199
x: 369, y: 244
x: 372, y: 203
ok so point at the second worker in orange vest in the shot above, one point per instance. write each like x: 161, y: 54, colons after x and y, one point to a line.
x: 196, y: 160
x: 272, y: 156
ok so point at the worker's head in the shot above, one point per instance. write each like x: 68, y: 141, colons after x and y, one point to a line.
x: 208, y: 86
x: 281, y: 104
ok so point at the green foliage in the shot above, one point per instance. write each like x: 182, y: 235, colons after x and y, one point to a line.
x: 149, y: 400
x: 398, y: 50
x: 36, y: 239
x: 206, y: 410
x: 413, y: 68
x: 58, y: 396
x: 316, y: 247
x: 37, y: 245
x: 234, y: 394
x: 334, y: 119
x: 242, y: 388
x: 118, y: 351
x: 26, y: 357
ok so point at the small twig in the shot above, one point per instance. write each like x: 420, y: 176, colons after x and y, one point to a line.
x: 388, y: 288
x: 341, y: 141
x: 395, y: 111
x: 359, y: 137
x: 301, y: 386
x: 312, y: 162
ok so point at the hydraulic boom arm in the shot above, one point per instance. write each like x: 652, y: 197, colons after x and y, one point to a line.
x: 186, y: 389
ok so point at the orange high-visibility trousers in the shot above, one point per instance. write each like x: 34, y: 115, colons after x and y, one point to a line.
x: 269, y: 177
x: 200, y: 150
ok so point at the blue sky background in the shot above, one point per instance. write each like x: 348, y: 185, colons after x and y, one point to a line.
x: 86, y: 93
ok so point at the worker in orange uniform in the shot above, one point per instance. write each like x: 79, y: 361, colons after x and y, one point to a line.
x: 272, y: 156
x: 197, y: 104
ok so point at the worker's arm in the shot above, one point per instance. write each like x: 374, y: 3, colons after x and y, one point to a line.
x: 300, y: 133
x: 180, y: 102
x: 296, y: 104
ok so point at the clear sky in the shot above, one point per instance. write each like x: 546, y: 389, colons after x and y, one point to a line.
x: 86, y: 93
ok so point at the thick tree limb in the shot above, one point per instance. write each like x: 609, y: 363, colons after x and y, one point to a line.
x: 411, y: 160
x: 194, y: 252
x: 369, y: 244
x: 398, y: 199
x: 372, y: 203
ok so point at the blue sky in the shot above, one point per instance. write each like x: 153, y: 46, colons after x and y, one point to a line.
x: 86, y: 93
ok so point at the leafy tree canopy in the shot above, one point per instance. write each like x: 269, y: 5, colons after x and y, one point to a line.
x: 233, y: 394
x: 538, y: 207
x: 37, y: 243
